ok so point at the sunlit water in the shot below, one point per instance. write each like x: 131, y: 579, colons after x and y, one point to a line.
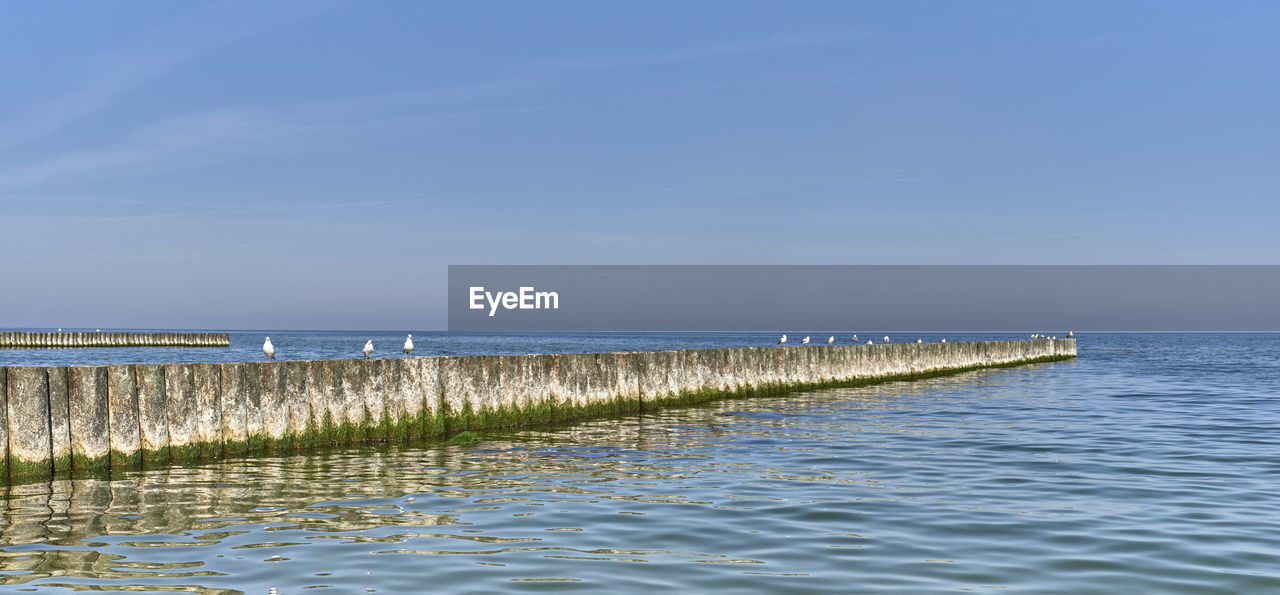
x: 1148, y: 464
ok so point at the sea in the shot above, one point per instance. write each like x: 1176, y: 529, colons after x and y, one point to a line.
x: 1149, y: 464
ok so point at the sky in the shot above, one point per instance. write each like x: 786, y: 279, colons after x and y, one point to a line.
x: 320, y: 163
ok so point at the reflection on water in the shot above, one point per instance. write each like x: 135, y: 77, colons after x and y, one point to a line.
x: 1068, y: 476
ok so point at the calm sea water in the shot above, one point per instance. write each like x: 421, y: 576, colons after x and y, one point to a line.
x: 1149, y: 464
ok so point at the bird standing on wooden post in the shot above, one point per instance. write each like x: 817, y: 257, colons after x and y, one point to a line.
x: 268, y: 349
x: 368, y: 349
x: 408, y: 345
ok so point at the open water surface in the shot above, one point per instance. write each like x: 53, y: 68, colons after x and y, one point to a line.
x: 1148, y: 464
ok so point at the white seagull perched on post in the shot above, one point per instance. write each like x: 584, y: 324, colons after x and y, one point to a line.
x: 783, y: 340
x: 408, y: 345
x: 368, y: 349
x: 944, y: 339
x: 855, y: 338
x: 831, y: 339
x: 805, y: 341
x: 1070, y: 334
x: 869, y: 342
x: 886, y: 338
x: 268, y: 349
x: 919, y: 340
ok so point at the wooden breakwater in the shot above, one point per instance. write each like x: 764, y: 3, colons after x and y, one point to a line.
x: 56, y: 420
x: 34, y: 340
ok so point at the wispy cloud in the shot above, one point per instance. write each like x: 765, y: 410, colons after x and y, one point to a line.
x: 109, y: 75
x: 235, y: 133
x: 187, y: 135
x: 235, y: 210
x: 1184, y: 28
x: 727, y: 48
x: 197, y: 139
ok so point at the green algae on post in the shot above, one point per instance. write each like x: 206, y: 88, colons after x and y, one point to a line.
x: 119, y: 418
x: 88, y: 418
x: 27, y: 412
x: 465, y: 438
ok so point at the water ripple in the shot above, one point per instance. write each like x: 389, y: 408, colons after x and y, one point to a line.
x: 1127, y: 470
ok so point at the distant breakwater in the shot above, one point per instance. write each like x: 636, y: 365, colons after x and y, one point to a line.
x: 61, y: 420
x: 50, y: 340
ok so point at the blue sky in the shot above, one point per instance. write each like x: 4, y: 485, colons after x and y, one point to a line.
x: 318, y: 164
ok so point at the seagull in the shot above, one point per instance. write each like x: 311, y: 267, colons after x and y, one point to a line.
x: 1070, y: 334
x: 408, y: 345
x: 855, y: 338
x: 368, y: 349
x: 268, y: 349
x: 783, y: 340
x: 886, y: 338
x: 944, y: 339
x: 804, y: 341
x: 919, y: 340
x: 869, y: 342
x: 831, y: 339
x: 1033, y: 335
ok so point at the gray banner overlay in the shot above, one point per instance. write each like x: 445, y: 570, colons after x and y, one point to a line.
x: 785, y: 298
